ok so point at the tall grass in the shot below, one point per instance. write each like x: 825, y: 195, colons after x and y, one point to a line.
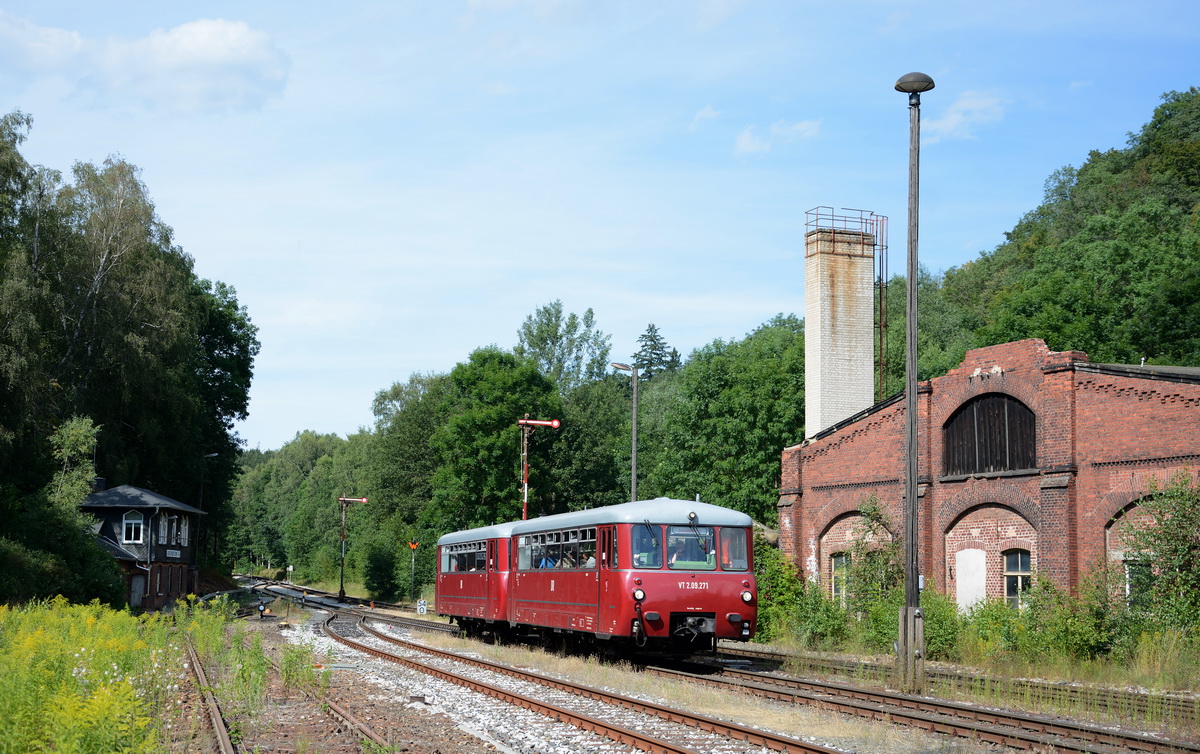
x: 84, y: 678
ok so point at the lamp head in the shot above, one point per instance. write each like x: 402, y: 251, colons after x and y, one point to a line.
x: 914, y: 83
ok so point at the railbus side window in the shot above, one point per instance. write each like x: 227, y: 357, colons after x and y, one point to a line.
x: 734, y: 554
x: 524, y: 554
x: 587, y: 548
x: 445, y: 559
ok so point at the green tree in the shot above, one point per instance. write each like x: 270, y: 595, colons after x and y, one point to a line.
x: 586, y: 468
x: 654, y: 356
x: 47, y: 546
x: 738, y: 404
x: 478, y: 449
x: 1107, y: 264
x: 568, y: 350
x: 1167, y: 540
x: 401, y: 460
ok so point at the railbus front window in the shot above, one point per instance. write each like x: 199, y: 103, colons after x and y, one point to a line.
x: 692, y: 548
x: 647, y: 546
x: 734, y: 553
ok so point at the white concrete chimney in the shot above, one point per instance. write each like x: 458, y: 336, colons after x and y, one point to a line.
x: 839, y: 345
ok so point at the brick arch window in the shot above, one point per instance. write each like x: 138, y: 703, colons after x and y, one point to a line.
x: 840, y: 578
x: 992, y: 432
x: 1017, y: 576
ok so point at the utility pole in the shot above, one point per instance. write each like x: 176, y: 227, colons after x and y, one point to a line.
x: 413, y: 569
x: 527, y: 425
x: 344, y: 502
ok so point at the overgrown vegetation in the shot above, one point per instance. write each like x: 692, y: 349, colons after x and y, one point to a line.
x: 87, y: 678
x: 1099, y: 633
x: 103, y: 319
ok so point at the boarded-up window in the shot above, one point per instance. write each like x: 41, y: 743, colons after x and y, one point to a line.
x: 993, y: 432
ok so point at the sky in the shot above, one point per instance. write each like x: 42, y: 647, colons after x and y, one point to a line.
x: 391, y: 185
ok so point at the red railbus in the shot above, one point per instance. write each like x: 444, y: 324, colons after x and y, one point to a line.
x: 660, y: 575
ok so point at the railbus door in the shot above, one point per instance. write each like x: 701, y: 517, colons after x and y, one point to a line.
x: 493, y: 583
x: 608, y: 583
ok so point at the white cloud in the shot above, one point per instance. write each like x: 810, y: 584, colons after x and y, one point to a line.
x: 803, y: 129
x: 747, y: 142
x: 702, y: 116
x: 38, y: 49
x: 970, y: 110
x: 210, y: 64
x: 712, y: 13
x: 781, y: 131
x: 203, y: 65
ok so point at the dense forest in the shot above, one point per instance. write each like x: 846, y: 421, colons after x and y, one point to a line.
x: 1109, y: 264
x: 103, y: 319
x: 115, y: 359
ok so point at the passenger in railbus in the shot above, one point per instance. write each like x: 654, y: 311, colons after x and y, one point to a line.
x: 646, y: 550
x: 678, y: 552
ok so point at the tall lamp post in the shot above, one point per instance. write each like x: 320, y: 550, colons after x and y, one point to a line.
x: 911, y: 645
x: 342, y: 579
x: 633, y: 450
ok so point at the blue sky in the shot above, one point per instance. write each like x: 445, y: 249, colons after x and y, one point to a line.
x: 390, y: 185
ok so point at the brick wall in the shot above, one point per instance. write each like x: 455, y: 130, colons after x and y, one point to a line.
x: 1103, y: 434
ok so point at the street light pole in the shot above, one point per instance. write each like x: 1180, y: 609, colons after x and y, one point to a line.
x: 911, y: 641
x: 633, y: 449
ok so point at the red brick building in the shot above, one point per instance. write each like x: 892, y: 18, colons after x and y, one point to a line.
x: 1029, y: 460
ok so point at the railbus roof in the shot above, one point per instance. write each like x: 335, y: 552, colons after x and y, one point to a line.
x: 661, y: 510
x: 495, y: 531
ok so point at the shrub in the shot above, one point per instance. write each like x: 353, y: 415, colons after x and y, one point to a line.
x: 943, y: 625
x: 816, y: 621
x: 779, y: 591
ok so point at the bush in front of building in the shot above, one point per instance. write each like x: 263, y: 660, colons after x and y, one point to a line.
x: 780, y: 587
x: 817, y: 622
x: 943, y: 625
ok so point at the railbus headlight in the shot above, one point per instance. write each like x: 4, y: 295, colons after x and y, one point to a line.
x: 639, y: 595
x: 747, y: 597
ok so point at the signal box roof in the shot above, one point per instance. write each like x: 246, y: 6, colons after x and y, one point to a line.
x: 127, y: 496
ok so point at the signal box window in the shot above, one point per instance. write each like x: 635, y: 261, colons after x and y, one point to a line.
x: 1017, y: 575
x: 734, y: 553
x: 647, y: 546
x: 132, y: 528
x: 991, y: 433
x: 691, y: 548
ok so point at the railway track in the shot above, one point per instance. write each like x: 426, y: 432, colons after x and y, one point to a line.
x: 975, y: 722
x: 1000, y: 727
x: 1115, y: 704
x: 216, y: 719
x: 295, y: 724
x: 634, y: 722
